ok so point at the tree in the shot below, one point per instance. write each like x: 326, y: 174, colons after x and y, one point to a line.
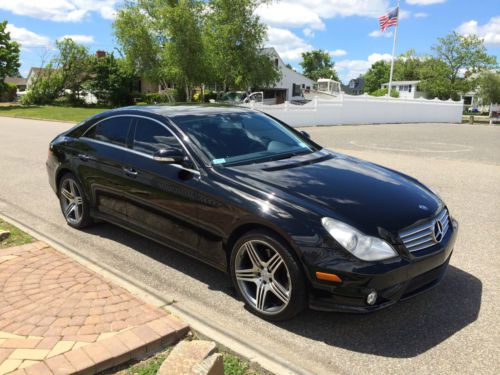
x: 111, y: 80
x: 234, y: 38
x: 72, y: 62
x: 406, y: 68
x: 489, y: 87
x: 64, y: 76
x: 9, y: 54
x: 377, y: 75
x: 318, y: 64
x: 162, y: 40
x: 452, y: 70
x: 185, y: 50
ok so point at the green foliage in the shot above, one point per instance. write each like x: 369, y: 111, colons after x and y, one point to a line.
x: 111, y: 81
x: 9, y: 54
x: 8, y: 92
x: 376, y: 76
x: 72, y: 63
x: 383, y: 92
x: 155, y: 98
x: 406, y: 68
x: 451, y: 72
x: 234, y: 37
x: 489, y: 87
x: 46, y: 87
x: 318, y: 64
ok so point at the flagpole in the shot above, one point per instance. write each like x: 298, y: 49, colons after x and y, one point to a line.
x: 393, y: 52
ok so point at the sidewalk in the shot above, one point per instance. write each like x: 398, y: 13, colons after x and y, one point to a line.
x: 58, y: 317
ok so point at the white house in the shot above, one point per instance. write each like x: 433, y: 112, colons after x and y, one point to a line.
x: 290, y: 87
x: 406, y: 89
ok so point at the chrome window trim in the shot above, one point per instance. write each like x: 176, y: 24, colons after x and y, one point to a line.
x: 197, y: 171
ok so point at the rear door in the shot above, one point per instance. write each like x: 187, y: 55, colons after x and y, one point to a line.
x: 163, y: 198
x: 104, y: 146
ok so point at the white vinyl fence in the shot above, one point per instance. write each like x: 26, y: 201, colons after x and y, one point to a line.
x: 364, y: 109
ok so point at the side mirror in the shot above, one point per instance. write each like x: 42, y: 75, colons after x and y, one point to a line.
x: 169, y: 156
x: 306, y: 134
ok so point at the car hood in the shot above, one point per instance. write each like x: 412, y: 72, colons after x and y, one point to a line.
x: 365, y: 195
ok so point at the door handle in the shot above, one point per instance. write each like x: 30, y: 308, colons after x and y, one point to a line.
x: 129, y: 171
x: 84, y: 157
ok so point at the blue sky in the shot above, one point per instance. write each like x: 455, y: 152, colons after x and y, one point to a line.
x: 345, y: 28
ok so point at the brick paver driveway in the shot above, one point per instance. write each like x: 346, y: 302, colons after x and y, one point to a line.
x: 58, y: 316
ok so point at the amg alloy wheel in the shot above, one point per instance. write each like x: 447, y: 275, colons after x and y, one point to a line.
x: 73, y: 203
x: 267, y: 277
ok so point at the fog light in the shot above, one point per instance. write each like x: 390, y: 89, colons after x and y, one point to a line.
x: 372, y: 298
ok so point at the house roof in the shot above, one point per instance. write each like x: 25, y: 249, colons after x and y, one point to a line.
x: 401, y: 83
x: 15, y: 81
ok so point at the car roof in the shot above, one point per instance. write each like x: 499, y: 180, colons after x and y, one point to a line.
x: 174, y: 110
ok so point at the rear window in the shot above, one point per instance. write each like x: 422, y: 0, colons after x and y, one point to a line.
x: 113, y: 130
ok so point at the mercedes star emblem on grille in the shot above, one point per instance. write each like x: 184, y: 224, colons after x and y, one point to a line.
x: 438, y: 231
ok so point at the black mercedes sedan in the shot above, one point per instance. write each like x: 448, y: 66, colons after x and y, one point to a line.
x: 294, y: 224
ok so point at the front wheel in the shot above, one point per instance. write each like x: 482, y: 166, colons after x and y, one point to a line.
x: 267, y: 276
x: 74, y: 205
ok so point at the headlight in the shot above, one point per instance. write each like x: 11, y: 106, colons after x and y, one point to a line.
x: 361, y: 246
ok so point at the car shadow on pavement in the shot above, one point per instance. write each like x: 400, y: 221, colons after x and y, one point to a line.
x: 403, y: 330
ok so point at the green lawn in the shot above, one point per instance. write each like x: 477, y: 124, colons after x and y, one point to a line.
x: 70, y: 114
x: 16, y: 238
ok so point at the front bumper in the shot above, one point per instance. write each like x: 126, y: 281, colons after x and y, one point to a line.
x: 393, y: 280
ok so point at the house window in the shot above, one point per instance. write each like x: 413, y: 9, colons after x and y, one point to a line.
x: 296, y: 91
x: 409, y: 88
x: 276, y: 62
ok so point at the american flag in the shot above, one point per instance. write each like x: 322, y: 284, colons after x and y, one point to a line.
x: 389, y: 19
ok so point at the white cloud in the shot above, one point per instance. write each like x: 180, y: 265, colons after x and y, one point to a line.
x: 308, y: 32
x: 349, y: 69
x: 26, y: 37
x: 490, y: 31
x: 337, y: 52
x: 425, y: 2
x: 311, y: 13
x: 287, y: 44
x: 289, y: 14
x: 60, y: 10
x: 378, y: 34
x: 420, y: 15
x: 85, y: 39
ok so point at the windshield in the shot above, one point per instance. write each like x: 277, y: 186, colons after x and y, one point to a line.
x: 242, y: 138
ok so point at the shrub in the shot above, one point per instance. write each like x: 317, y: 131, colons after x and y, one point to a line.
x: 45, y: 89
x: 154, y: 98
x: 8, y: 92
x: 383, y: 92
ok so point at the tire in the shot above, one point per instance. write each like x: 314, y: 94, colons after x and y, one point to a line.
x: 74, y: 204
x: 267, y: 276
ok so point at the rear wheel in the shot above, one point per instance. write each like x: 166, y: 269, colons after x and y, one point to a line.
x: 74, y: 205
x: 267, y: 276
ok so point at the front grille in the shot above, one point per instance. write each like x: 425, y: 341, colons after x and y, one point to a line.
x: 422, y: 237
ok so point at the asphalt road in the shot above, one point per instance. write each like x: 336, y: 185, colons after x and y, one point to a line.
x: 454, y: 328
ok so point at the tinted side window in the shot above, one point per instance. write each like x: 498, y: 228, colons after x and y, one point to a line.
x: 113, y: 130
x: 150, y: 137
